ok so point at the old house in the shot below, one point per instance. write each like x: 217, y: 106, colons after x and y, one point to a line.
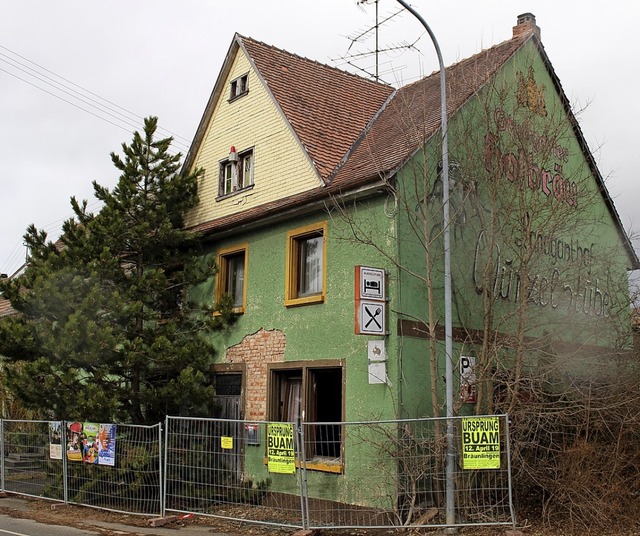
x: 321, y: 202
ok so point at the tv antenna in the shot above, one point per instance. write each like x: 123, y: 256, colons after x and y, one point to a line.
x: 352, y: 56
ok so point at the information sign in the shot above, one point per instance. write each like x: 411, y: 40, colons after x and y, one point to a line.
x: 281, y: 456
x: 371, y: 317
x: 481, y: 443
x: 371, y: 283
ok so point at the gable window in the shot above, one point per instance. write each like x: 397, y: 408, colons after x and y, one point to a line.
x: 315, y: 389
x: 236, y: 172
x: 239, y: 87
x: 306, y: 265
x: 231, y: 281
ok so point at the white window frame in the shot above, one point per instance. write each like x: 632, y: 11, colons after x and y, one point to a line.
x: 239, y: 87
x: 236, y: 176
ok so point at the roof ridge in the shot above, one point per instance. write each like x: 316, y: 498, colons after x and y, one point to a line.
x: 309, y: 60
x: 522, y: 37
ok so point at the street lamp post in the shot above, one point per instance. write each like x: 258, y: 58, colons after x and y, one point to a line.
x: 451, y: 451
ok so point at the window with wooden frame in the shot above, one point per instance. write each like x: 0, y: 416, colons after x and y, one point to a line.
x: 314, y: 394
x: 236, y: 172
x: 306, y: 265
x: 231, y: 279
x: 239, y: 87
x: 229, y: 387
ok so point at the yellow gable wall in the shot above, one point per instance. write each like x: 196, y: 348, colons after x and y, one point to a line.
x: 281, y: 168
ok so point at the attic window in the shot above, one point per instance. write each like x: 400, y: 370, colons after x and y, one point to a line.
x: 239, y: 87
x: 236, y: 172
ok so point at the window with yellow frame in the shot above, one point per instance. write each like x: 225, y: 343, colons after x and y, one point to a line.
x: 231, y: 279
x: 306, y: 268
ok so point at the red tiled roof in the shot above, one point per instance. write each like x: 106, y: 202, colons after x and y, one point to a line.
x: 358, y: 131
x: 326, y: 107
x: 413, y: 115
x: 386, y: 140
x: 5, y: 307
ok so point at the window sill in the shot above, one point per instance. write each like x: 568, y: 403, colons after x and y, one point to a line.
x: 237, y: 192
x: 307, y: 300
x: 238, y: 96
x: 322, y: 465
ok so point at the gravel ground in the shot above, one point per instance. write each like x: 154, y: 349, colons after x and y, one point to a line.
x: 112, y: 524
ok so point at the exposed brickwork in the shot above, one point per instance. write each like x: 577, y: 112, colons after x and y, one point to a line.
x: 256, y: 351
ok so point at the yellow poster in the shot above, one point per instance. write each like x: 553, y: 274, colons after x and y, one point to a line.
x: 481, y: 443
x: 226, y: 442
x: 281, y: 456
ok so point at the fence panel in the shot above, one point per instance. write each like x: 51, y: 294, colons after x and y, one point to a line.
x: 394, y: 473
x: 132, y: 484
x: 338, y: 475
x: 27, y: 466
x: 217, y: 467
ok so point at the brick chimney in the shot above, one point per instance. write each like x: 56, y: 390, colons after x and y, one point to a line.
x: 526, y: 25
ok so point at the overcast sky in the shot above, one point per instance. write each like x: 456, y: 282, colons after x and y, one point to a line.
x: 135, y: 58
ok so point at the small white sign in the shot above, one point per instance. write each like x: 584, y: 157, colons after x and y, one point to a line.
x: 372, y: 283
x: 377, y: 351
x: 371, y: 318
x: 377, y: 373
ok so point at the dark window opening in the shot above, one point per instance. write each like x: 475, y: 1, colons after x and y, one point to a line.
x: 317, y: 391
x: 239, y: 86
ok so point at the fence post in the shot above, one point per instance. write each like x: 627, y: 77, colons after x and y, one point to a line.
x: 65, y: 461
x: 162, y: 461
x: 508, y: 441
x: 2, y: 451
x: 302, y: 462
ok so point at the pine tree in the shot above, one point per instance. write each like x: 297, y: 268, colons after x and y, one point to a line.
x: 105, y: 329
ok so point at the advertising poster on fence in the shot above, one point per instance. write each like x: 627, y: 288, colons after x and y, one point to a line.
x: 91, y: 442
x: 481, y: 443
x: 281, y: 456
x: 107, y: 444
x: 55, y: 440
x: 74, y: 441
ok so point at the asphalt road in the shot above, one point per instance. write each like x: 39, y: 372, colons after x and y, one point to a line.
x: 25, y: 524
x: 27, y: 527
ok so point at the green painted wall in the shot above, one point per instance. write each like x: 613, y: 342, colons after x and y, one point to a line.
x: 518, y: 173
x: 322, y: 331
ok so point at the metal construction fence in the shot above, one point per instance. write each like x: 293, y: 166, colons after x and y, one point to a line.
x: 339, y: 475
x: 316, y: 475
x: 59, y: 461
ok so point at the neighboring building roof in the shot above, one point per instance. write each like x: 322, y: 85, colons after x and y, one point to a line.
x: 358, y: 132
x: 5, y: 308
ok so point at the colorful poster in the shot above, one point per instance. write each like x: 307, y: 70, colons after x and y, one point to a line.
x: 74, y: 441
x: 280, y: 448
x: 55, y: 440
x: 90, y: 442
x: 107, y: 444
x: 481, y: 443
